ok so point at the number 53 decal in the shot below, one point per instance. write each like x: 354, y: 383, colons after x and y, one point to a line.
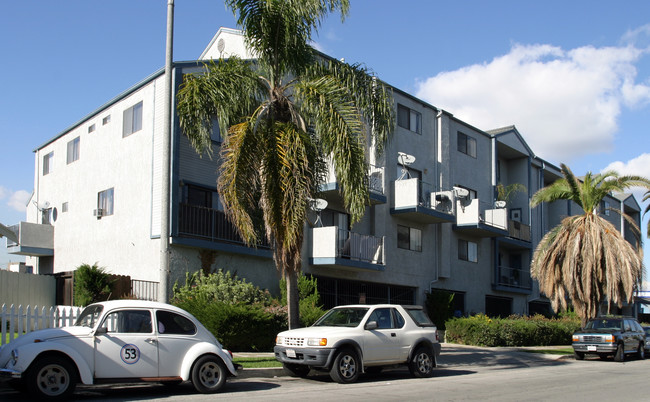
x: 130, y: 354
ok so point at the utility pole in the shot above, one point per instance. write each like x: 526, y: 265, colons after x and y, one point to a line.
x: 163, y: 286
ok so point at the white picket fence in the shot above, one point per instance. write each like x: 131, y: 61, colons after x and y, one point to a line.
x: 19, y: 320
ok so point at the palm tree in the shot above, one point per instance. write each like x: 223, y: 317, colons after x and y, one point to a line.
x: 286, y: 115
x: 585, y: 260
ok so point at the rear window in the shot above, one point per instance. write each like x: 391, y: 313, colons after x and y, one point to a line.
x: 419, y: 316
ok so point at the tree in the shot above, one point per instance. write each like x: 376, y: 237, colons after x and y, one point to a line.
x: 585, y: 259
x: 504, y: 193
x: 91, y: 284
x: 285, y: 116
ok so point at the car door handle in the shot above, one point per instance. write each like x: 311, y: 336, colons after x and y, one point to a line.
x: 150, y: 340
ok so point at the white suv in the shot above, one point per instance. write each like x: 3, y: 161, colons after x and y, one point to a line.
x: 348, y: 340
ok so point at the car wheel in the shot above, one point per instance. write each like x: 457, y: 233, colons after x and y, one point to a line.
x: 208, y: 374
x: 422, y: 363
x: 296, y: 370
x: 620, y: 353
x: 51, y: 378
x: 579, y: 355
x: 346, y: 366
x: 640, y: 353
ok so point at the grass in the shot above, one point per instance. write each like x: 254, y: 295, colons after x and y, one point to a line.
x: 562, y: 351
x: 257, y: 362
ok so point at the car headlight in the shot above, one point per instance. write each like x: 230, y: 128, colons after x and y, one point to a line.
x: 609, y: 338
x: 317, y: 342
x: 14, y: 356
x: 576, y: 338
x: 279, y: 340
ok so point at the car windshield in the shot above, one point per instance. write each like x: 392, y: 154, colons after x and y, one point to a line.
x: 420, y: 317
x: 89, y: 316
x: 603, y: 324
x: 342, y: 317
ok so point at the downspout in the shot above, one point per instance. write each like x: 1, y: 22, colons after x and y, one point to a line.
x: 438, y: 187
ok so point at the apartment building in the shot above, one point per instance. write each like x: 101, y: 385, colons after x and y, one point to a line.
x: 434, y: 221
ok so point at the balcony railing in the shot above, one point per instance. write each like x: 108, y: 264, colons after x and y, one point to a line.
x: 376, y: 180
x: 209, y: 224
x: 514, y: 278
x: 475, y: 212
x: 332, y: 242
x: 518, y: 230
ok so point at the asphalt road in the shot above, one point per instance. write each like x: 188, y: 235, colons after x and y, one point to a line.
x: 464, y: 374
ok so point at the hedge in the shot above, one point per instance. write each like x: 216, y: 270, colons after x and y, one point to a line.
x: 481, y: 330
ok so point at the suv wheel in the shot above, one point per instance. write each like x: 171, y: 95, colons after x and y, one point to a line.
x: 640, y: 353
x: 620, y: 353
x: 346, y: 367
x: 422, y: 363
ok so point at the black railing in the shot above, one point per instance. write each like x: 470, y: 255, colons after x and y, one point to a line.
x: 514, y: 278
x: 209, y: 224
x: 518, y: 230
x: 360, y: 247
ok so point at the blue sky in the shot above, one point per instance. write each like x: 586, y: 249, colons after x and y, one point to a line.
x: 574, y: 77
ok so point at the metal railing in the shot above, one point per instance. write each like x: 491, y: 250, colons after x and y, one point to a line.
x: 144, y: 290
x: 376, y: 179
x: 210, y: 224
x: 360, y: 247
x: 518, y: 230
x: 514, y: 277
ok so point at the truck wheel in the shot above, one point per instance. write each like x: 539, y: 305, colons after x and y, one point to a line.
x: 346, y: 367
x: 51, y: 378
x: 641, y: 352
x: 208, y: 374
x: 422, y: 363
x: 620, y: 353
x: 296, y: 370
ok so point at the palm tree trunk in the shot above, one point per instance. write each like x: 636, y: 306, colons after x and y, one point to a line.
x: 293, y: 299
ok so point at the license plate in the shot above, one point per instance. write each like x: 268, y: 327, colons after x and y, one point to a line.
x: 591, y: 348
x: 291, y: 353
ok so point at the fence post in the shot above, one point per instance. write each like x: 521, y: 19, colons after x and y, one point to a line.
x: 3, y: 322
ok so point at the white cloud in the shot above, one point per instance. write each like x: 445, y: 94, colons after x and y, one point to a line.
x: 17, y: 200
x: 565, y: 103
x: 639, y: 166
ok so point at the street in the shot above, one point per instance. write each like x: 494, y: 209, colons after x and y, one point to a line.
x: 464, y: 374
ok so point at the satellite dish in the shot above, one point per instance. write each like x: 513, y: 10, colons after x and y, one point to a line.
x: 317, y: 204
x: 42, y: 205
x: 405, y: 159
x: 221, y: 45
x: 461, y: 192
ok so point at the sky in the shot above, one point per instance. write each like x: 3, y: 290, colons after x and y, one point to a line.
x: 573, y: 77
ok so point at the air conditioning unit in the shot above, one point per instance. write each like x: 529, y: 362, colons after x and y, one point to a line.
x: 98, y: 212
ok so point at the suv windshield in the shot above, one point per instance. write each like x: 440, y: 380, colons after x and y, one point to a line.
x: 604, y: 323
x: 342, y: 317
x: 89, y: 316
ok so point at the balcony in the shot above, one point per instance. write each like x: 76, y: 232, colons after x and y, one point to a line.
x: 513, y: 279
x: 416, y: 201
x: 374, y: 180
x: 334, y: 247
x: 211, y: 226
x: 518, y: 230
x: 477, y: 218
x: 36, y: 240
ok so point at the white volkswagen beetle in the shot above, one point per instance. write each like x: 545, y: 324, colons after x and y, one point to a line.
x: 115, y: 342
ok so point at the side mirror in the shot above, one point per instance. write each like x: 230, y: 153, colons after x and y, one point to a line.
x: 370, y: 325
x: 101, y: 331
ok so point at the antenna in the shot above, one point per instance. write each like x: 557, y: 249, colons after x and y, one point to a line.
x: 405, y: 160
x: 317, y: 205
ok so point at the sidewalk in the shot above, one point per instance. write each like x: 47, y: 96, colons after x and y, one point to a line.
x: 452, y: 355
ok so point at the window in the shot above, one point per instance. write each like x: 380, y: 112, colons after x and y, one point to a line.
x: 172, y: 323
x: 467, y: 250
x: 132, y: 120
x: 46, y: 215
x: 200, y: 196
x: 405, y: 172
x: 498, y: 306
x: 472, y: 193
x: 91, y: 128
x: 73, y: 150
x: 48, y: 163
x: 106, y: 120
x: 64, y: 207
x: 409, y: 238
x: 129, y: 321
x: 605, y: 208
x: 409, y: 119
x: 215, y: 135
x: 105, y: 202
x: 466, y: 144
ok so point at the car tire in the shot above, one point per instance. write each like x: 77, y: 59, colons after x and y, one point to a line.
x: 345, y: 369
x: 51, y: 378
x: 620, y: 353
x: 208, y: 374
x: 296, y: 370
x: 579, y: 355
x: 640, y: 353
x: 422, y: 363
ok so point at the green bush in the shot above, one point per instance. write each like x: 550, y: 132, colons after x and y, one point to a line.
x: 91, y: 284
x: 537, y: 330
x: 220, y: 286
x: 310, y: 307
